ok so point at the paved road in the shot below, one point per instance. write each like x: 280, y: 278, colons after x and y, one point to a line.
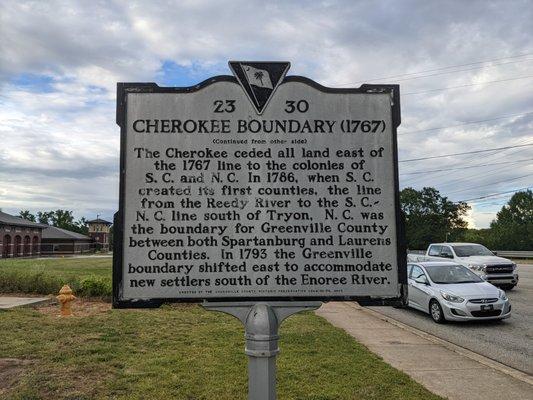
x: 509, y: 341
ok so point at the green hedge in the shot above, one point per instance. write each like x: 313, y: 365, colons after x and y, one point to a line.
x: 46, y: 283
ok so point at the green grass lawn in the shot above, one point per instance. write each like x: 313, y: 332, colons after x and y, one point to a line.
x: 87, y: 276
x: 67, y: 268
x: 181, y: 352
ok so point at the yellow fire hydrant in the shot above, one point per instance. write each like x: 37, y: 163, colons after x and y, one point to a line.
x: 65, y: 298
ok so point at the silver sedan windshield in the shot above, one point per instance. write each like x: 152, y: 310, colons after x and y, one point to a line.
x: 444, y: 274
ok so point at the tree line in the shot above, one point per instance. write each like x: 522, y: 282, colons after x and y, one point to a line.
x: 432, y: 218
x: 63, y: 219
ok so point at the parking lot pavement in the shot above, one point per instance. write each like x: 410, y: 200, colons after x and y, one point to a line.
x: 509, y: 342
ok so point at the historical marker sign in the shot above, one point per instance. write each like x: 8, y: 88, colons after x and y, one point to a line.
x: 258, y: 186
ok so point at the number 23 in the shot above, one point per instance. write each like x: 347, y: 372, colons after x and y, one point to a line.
x: 229, y: 106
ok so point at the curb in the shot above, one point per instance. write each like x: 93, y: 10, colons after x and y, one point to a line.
x: 521, y: 376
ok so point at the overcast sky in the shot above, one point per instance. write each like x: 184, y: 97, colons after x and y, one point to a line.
x: 60, y: 61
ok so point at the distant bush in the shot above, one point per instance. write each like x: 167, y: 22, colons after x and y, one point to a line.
x: 46, y: 283
x: 95, y: 286
x: 29, y: 282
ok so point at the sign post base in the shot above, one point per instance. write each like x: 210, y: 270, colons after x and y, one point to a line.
x: 261, y: 322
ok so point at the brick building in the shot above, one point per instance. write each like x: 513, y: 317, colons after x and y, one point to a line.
x: 99, y: 231
x: 22, y: 238
x: 18, y: 237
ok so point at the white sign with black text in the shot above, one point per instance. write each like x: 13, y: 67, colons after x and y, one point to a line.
x: 258, y: 186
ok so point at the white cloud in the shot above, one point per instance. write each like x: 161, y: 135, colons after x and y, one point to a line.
x: 479, y: 217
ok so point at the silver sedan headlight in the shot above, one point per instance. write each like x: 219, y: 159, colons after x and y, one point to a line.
x: 503, y: 296
x: 451, y: 297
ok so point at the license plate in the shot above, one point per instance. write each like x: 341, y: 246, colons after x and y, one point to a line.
x: 487, y: 307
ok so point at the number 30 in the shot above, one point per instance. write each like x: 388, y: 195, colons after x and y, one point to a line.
x: 300, y: 105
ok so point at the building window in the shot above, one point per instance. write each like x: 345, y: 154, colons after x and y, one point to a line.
x: 7, y: 249
x: 18, y: 249
x: 27, y: 246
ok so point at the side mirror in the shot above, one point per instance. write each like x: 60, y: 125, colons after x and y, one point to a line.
x: 422, y: 280
x: 446, y: 255
x: 495, y: 253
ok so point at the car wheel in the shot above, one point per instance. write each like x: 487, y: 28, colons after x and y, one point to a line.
x: 435, y: 310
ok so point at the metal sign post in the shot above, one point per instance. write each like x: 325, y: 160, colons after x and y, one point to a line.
x: 261, y: 329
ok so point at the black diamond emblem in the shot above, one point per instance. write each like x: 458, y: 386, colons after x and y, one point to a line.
x: 259, y: 79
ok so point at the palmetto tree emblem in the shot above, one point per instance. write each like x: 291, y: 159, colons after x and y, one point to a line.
x: 259, y: 75
x: 259, y: 79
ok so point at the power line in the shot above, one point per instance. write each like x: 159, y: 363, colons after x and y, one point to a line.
x: 468, y: 85
x: 466, y: 123
x: 498, y: 154
x: 483, y: 203
x: 465, y: 167
x: 454, y: 180
x: 488, y: 184
x: 466, y: 152
x: 439, y: 73
x: 495, y: 194
x: 460, y: 70
x: 463, y: 177
x: 438, y: 69
x: 480, y: 174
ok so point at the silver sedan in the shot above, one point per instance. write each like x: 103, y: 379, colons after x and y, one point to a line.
x: 449, y: 291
